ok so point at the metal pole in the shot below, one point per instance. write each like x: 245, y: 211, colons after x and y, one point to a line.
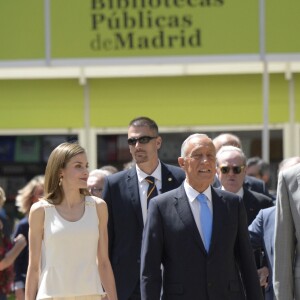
x: 292, y: 109
x: 265, y: 83
x: 265, y: 133
x: 86, y: 92
x: 47, y: 32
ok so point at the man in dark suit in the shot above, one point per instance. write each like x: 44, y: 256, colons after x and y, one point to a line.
x: 201, y: 239
x: 231, y: 169
x: 126, y: 195
x: 262, y: 231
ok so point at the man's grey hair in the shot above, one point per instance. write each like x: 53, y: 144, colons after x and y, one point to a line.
x: 231, y: 149
x: 99, y: 173
x: 186, y: 142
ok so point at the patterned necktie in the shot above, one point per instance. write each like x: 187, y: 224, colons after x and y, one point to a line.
x: 205, y: 220
x: 152, y: 191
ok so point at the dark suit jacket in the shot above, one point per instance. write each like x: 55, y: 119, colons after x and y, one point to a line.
x: 125, y: 223
x: 261, y: 232
x: 254, y: 202
x: 171, y: 238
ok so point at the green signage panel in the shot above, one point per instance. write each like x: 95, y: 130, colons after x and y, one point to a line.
x: 127, y: 28
x: 144, y: 28
x: 22, y: 30
x: 282, y: 26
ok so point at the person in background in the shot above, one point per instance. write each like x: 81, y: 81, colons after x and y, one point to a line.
x: 286, y: 276
x: 232, y: 169
x: 110, y: 169
x: 3, y: 217
x: 199, y: 234
x: 128, y: 165
x: 261, y: 232
x: 29, y: 194
x: 258, y: 168
x: 8, y: 253
x: 95, y: 182
x: 127, y: 194
x: 71, y: 226
x: 228, y: 139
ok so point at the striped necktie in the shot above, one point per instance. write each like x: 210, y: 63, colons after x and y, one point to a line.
x: 152, y: 191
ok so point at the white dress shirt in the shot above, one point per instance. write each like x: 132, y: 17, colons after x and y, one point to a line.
x: 143, y: 186
x: 195, y: 204
x: 240, y: 192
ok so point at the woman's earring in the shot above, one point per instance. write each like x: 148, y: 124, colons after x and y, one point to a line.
x: 60, y: 181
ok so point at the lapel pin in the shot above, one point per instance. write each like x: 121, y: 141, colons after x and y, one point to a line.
x: 170, y: 179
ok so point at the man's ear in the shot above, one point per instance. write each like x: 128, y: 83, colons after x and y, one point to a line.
x: 181, y: 162
x: 158, y: 142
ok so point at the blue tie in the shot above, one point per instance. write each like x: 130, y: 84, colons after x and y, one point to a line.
x: 205, y: 220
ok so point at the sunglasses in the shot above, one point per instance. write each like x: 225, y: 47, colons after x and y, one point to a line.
x: 141, y: 140
x: 235, y: 169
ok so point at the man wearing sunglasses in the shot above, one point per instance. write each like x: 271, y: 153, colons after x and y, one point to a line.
x: 254, y: 184
x: 231, y: 169
x: 127, y: 194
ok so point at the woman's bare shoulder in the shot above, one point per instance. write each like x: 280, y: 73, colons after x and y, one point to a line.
x: 37, y: 209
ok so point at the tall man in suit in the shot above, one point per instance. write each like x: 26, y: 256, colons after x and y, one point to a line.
x: 126, y: 196
x: 287, y: 235
x: 199, y: 234
x: 262, y: 231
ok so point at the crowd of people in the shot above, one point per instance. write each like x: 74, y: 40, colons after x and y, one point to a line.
x: 207, y: 229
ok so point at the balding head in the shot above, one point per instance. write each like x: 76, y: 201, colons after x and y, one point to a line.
x: 226, y: 139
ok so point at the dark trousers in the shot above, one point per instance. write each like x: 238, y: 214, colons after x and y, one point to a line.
x: 136, y: 295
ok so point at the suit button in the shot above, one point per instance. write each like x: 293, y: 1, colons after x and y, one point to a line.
x: 138, y: 261
x: 209, y: 284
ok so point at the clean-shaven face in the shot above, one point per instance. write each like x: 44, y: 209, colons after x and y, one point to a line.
x: 231, y: 181
x: 75, y: 173
x: 199, y: 162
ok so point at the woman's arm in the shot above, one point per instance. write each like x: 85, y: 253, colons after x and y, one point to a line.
x: 104, y: 265
x: 36, y: 229
x: 12, y: 254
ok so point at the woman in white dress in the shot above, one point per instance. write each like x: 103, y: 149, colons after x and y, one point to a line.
x: 68, y: 243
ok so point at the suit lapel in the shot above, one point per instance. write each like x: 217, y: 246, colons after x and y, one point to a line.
x: 132, y: 183
x: 185, y: 214
x: 168, y: 182
x: 219, y: 207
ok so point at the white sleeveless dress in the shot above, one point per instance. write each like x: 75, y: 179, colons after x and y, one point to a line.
x: 69, y: 255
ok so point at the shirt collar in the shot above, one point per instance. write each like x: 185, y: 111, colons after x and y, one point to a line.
x: 192, y: 193
x: 156, y: 173
x: 240, y: 192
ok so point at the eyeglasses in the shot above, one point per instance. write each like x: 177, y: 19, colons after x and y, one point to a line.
x: 141, y: 140
x: 235, y: 169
